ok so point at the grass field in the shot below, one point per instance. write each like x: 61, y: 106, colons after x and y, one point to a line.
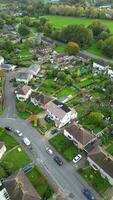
x: 39, y: 182
x: 60, y: 21
x: 16, y: 159
x: 95, y: 180
x: 64, y: 146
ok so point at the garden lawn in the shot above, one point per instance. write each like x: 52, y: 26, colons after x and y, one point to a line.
x: 16, y: 159
x: 64, y: 146
x: 49, y: 87
x: 95, y: 180
x: 30, y: 108
x: 67, y: 91
x: 39, y: 182
x: 10, y: 142
x: 60, y: 21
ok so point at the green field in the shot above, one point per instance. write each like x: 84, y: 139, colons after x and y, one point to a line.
x: 60, y: 21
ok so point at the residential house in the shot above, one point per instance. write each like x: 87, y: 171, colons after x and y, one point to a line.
x: 60, y: 113
x: 34, y: 69
x: 100, y: 67
x: 23, y: 93
x: 3, y: 193
x: 9, y: 29
x: 78, y: 135
x: 102, y: 162
x: 39, y: 99
x: 2, y: 149
x: 19, y: 187
x: 110, y: 73
x: 24, y: 77
x: 7, y: 67
x: 83, y: 57
x: 1, y: 60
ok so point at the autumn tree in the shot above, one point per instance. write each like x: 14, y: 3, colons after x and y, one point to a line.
x: 2, y: 74
x: 33, y: 119
x: 72, y: 48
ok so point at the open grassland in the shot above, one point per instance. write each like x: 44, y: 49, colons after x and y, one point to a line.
x: 60, y: 21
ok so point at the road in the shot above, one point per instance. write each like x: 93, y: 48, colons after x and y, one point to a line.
x: 109, y: 60
x: 65, y: 177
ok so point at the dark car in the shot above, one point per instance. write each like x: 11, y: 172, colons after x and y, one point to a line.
x: 54, y: 130
x: 8, y: 128
x: 47, y: 118
x: 88, y: 194
x: 58, y: 160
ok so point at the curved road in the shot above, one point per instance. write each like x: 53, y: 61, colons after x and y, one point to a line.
x: 64, y: 178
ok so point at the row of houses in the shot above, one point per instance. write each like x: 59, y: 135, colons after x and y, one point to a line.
x: 97, y: 157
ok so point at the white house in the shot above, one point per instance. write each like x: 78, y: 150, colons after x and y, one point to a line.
x: 110, y: 73
x: 78, y: 135
x: 23, y: 93
x: 100, y: 161
x: 8, y: 67
x: 100, y: 67
x: 60, y: 113
x: 2, y: 149
x: 34, y: 69
x: 1, y: 60
x: 24, y: 77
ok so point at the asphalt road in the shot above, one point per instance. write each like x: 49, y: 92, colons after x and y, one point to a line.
x: 65, y: 177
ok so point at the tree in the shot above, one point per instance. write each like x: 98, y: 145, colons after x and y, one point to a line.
x: 69, y: 80
x: 100, y: 44
x: 72, y: 48
x: 95, y: 118
x: 2, y: 74
x: 77, y: 33
x: 108, y: 47
x: 26, y: 21
x: 8, y: 46
x: 23, y: 30
x: 33, y: 119
x: 30, y: 43
x: 48, y: 28
x: 1, y: 23
x: 97, y: 28
x: 61, y: 76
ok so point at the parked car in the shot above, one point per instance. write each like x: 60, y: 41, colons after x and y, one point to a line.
x: 77, y: 158
x: 47, y: 118
x: 49, y: 151
x: 58, y: 160
x: 88, y: 194
x: 18, y: 133
x: 8, y: 128
x: 54, y: 130
x: 27, y: 142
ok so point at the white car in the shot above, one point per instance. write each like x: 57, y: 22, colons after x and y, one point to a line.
x: 49, y: 151
x: 18, y: 133
x: 77, y: 158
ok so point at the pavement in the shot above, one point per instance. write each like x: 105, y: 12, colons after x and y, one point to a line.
x: 63, y: 178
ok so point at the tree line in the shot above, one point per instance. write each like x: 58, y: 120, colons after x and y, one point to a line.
x: 80, y: 11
